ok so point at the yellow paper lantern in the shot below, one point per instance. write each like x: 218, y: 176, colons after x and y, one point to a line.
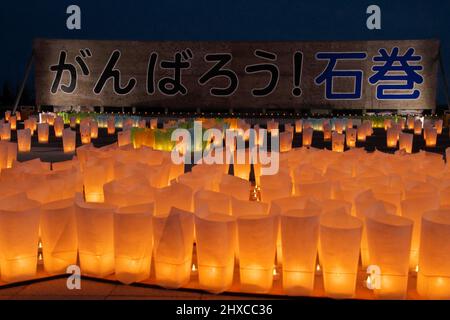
x: 95, y: 175
x: 19, y: 227
x: 257, y: 238
x: 299, y: 126
x: 307, y: 137
x: 235, y: 187
x: 95, y: 229
x: 300, y: 235
x: 13, y: 122
x: 286, y: 141
x: 205, y: 201
x: 438, y: 125
x: 410, y: 123
x: 275, y: 187
x: 418, y: 127
x: 133, y: 242
x: 350, y: 135
x: 7, y: 115
x: 69, y: 140
x: 5, y: 131
x: 43, y: 132
x: 389, y: 240
x: 176, y: 195
x: 216, y: 245
x: 129, y: 191
x: 94, y: 129
x: 172, y: 251
x: 362, y: 133
x: 24, y: 140
x: 58, y: 127
x: 111, y: 125
x: 430, y: 137
x: 392, y: 137
x: 85, y: 132
x: 124, y: 138
x: 433, y: 278
x: 406, y: 142
x: 338, y: 142
x: 340, y: 237
x: 59, y: 235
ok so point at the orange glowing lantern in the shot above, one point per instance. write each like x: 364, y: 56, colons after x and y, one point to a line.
x: 338, y: 142
x: 58, y: 126
x: 24, y: 140
x: 124, y: 138
x: 286, y: 141
x: 430, y: 136
x: 392, y: 137
x: 95, y: 175
x: 73, y: 122
x: 94, y: 129
x: 438, y: 125
x: 299, y: 126
x: 7, y: 115
x: 85, y: 132
x: 13, y: 122
x: 339, y: 126
x: 95, y: 229
x: 275, y: 187
x: 410, y: 123
x: 234, y: 186
x: 362, y: 133
x: 417, y: 127
x: 133, y: 242
x: 350, y: 135
x: 111, y: 125
x: 206, y: 201
x: 406, y: 142
x: 69, y: 140
x: 43, y: 132
x: 327, y: 132
x: 307, y: 137
x: 153, y: 123
x: 5, y: 131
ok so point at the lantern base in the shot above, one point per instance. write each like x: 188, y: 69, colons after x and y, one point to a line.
x: 172, y: 276
x: 18, y: 269
x: 215, y: 279
x: 298, y: 283
x: 58, y: 262
x: 256, y: 280
x: 97, y: 265
x: 433, y: 287
x: 130, y: 270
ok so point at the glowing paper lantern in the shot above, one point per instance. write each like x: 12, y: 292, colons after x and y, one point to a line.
x: 172, y: 251
x: 129, y: 191
x: 392, y: 137
x: 257, y: 237
x: 95, y: 229
x: 124, y: 138
x: 111, y: 125
x: 349, y: 124
x: 153, y: 123
x: 433, y: 278
x: 286, y: 141
x: 29, y: 124
x: 176, y: 195
x: 410, y: 123
x: 19, y: 227
x: 406, y: 142
x: 362, y: 133
x: 307, y: 137
x: 418, y: 127
x: 207, y: 201
x: 340, y: 237
x: 5, y: 131
x: 85, y: 132
x: 7, y: 115
x: 24, y: 140
x: 316, y: 189
x: 58, y: 127
x: 43, y: 132
x: 299, y: 126
x: 59, y: 235
x: 300, y: 235
x: 95, y: 175
x: 73, y: 122
x: 414, y: 208
x: 133, y: 243
x: 438, y: 125
x: 50, y: 119
x: 387, y: 124
x: 94, y: 129
x: 69, y: 140
x: 13, y: 122
x: 389, y: 240
x: 275, y: 187
x: 338, y: 141
x: 430, y: 137
x: 350, y: 135
x: 235, y: 187
x: 216, y: 244
x: 339, y: 126
x: 327, y: 132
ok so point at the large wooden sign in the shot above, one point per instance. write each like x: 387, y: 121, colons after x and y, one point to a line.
x: 177, y: 74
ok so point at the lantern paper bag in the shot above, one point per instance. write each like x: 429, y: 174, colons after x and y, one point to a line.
x: 257, y: 238
x: 433, y: 278
x: 318, y: 190
x: 340, y: 237
x: 59, y: 235
x: 286, y: 141
x: 216, y: 245
x: 85, y: 132
x: 307, y: 137
x: 392, y: 137
x: 235, y: 187
x: 24, y: 140
x: 133, y: 242
x: 111, y: 125
x: 275, y: 187
x: 417, y: 127
x: 95, y: 229
x: 58, y: 127
x: 350, y: 135
x: 5, y: 131
x: 212, y: 201
x: 19, y: 229
x: 94, y: 177
x: 43, y: 132
x: 430, y: 137
x: 94, y: 129
x: 73, y: 122
x: 338, y: 141
x: 176, y: 195
x: 129, y: 191
x: 414, y: 208
x: 389, y: 241
x: 124, y: 138
x: 300, y: 235
x: 299, y: 126
x: 13, y: 122
x: 327, y: 133
x: 406, y: 142
x: 173, y: 241
x: 69, y: 142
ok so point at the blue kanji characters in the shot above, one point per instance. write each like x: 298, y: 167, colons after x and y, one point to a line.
x: 71, y: 69
x: 329, y: 73
x: 396, y: 68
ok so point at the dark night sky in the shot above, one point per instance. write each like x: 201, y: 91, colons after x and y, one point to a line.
x: 21, y: 21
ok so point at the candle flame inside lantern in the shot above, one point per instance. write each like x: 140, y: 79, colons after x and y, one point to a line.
x: 417, y: 268
x: 274, y: 272
x: 318, y: 268
x: 194, y: 268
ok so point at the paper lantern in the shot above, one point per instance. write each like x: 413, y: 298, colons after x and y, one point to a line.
x: 111, y: 125
x: 133, y: 242
x: 13, y: 122
x: 172, y: 251
x: 327, y: 132
x: 129, y: 191
x: 438, y: 125
x: 418, y: 127
x: 5, y: 131
x: 58, y: 127
x: 235, y: 187
x: 286, y: 141
x: 338, y: 141
x: 401, y: 123
x: 95, y: 229
x: 18, y: 116
x: 176, y: 195
x: 257, y: 238
x: 406, y: 142
x: 216, y: 245
x: 124, y: 138
x: 153, y: 123
x: 300, y: 235
x: 69, y: 140
x: 430, y: 137
x: 95, y: 175
x: 206, y: 201
x: 389, y: 240
x: 299, y: 126
x: 318, y: 189
x: 59, y: 235
x: 350, y: 135
x: 43, y: 132
x: 410, y: 123
x: 349, y: 124
x: 275, y: 187
x: 28, y: 124
x: 73, y: 122
x: 387, y: 124
x: 392, y: 137
x: 433, y: 278
x: 340, y: 237
x: 24, y: 140
x: 339, y: 126
x: 7, y: 115
x: 50, y: 119
x: 242, y: 167
x: 307, y: 137
x: 414, y: 208
x: 19, y: 228
x: 362, y: 133
x: 85, y: 132
x: 94, y: 129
